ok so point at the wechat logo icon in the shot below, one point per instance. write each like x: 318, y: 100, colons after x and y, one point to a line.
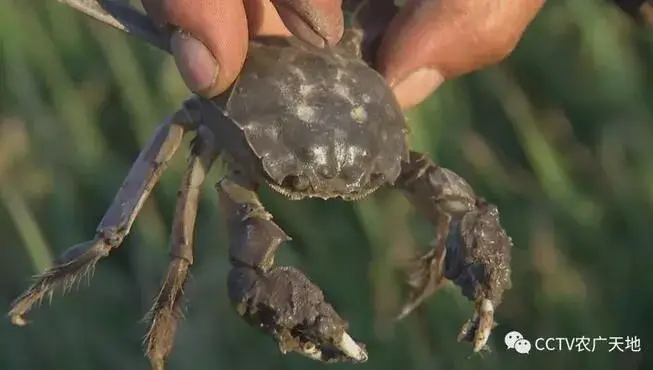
x: 515, y: 340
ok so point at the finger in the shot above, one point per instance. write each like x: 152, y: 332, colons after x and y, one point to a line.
x: 433, y: 40
x: 210, y: 49
x: 263, y: 19
x: 319, y: 22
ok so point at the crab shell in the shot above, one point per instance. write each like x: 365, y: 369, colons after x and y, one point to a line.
x: 311, y: 122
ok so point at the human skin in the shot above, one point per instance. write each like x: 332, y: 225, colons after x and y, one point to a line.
x: 425, y: 44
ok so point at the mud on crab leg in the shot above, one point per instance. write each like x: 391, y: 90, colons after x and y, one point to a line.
x: 281, y: 301
x: 117, y: 221
x: 164, y: 315
x: 471, y: 248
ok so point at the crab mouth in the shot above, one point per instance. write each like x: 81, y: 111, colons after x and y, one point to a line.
x: 298, y: 187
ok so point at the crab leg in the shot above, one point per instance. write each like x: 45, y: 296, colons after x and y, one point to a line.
x: 471, y: 248
x: 279, y: 300
x: 80, y: 259
x: 165, y: 313
x: 123, y: 17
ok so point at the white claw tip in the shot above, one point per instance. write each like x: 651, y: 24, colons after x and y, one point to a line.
x: 352, y: 349
x: 481, y: 341
x: 485, y: 324
x: 18, y: 320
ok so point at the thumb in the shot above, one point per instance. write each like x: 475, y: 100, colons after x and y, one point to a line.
x: 210, y: 46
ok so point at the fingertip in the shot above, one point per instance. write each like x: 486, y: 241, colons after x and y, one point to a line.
x: 407, y: 56
x: 418, y: 86
x: 405, y: 48
x: 320, y: 22
x: 197, y: 65
x: 453, y: 36
x: 299, y: 28
x: 210, y: 51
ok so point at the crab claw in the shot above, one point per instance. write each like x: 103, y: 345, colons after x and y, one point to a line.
x: 477, y: 330
x: 478, y: 261
x: 284, y: 303
x: 476, y: 258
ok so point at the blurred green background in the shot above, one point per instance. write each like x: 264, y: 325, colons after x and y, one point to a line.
x: 559, y: 136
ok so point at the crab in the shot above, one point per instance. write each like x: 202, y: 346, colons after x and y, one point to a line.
x: 305, y: 122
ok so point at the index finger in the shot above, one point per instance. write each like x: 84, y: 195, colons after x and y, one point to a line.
x: 319, y: 22
x: 452, y: 37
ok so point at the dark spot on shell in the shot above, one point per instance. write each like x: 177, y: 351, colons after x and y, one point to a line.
x: 299, y: 183
x: 377, y: 178
x: 327, y: 172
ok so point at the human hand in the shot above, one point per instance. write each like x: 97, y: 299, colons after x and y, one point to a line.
x: 210, y: 47
x: 431, y: 41
x: 426, y: 43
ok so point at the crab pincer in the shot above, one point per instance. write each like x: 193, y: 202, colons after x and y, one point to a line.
x: 286, y: 305
x: 281, y: 301
x: 471, y: 248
